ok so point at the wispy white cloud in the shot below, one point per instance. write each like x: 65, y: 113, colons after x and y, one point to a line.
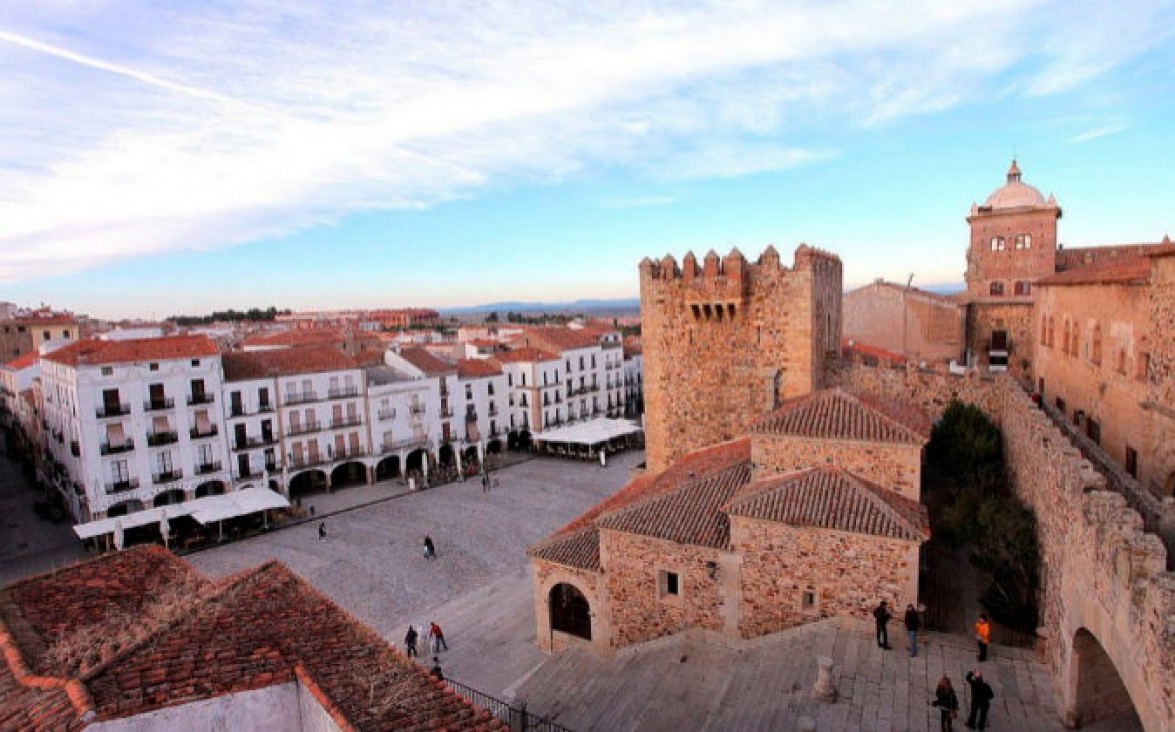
x: 1097, y: 132
x: 169, y: 127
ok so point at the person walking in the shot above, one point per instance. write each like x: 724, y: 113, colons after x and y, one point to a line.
x: 410, y: 642
x: 947, y: 702
x: 981, y: 696
x: 913, y: 624
x: 881, y: 615
x: 322, y: 531
x: 982, y: 635
x: 436, y: 669
x: 438, y: 637
x: 430, y: 549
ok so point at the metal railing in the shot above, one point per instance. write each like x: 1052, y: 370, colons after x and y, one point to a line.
x: 210, y: 431
x: 515, y: 717
x: 304, y: 428
x: 386, y: 414
x: 206, y: 468
x: 157, y: 439
x: 112, y: 410
x: 107, y: 448
x: 169, y: 476
x: 122, y: 486
x: 348, y: 391
x: 296, y: 397
x: 154, y: 405
x: 307, y: 462
x: 205, y: 398
x: 251, y: 442
x: 347, y: 421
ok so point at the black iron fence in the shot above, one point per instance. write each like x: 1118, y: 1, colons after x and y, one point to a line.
x: 517, y: 718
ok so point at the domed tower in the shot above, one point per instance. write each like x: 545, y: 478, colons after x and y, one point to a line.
x: 1013, y: 241
x: 1013, y: 244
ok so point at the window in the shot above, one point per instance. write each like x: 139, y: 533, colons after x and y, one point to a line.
x: 1023, y: 241
x: 1044, y: 332
x: 490, y: 388
x: 808, y: 601
x: 195, y: 362
x: 153, y: 367
x: 1065, y: 339
x: 1023, y: 288
x: 1122, y: 361
x: 46, y: 335
x: 1131, y: 462
x: 469, y: 391
x: 65, y: 334
x: 1052, y: 331
x: 1075, y: 345
x: 118, y: 472
x: 510, y: 379
x: 997, y: 288
x: 1095, y: 350
x: 997, y: 243
x: 108, y: 371
x: 668, y: 584
x: 1144, y: 362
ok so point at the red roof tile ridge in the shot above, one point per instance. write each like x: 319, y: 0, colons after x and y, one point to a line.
x: 74, y: 566
x: 562, y: 534
x: 328, y: 705
x: 677, y: 487
x: 78, y: 695
x: 889, y: 412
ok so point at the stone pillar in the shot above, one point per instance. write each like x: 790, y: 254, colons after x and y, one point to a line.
x: 370, y: 475
x: 326, y: 476
x: 460, y: 467
x: 823, y: 688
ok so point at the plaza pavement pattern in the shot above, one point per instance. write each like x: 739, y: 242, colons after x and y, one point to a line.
x: 479, y: 589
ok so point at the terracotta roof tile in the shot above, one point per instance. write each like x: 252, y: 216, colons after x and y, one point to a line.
x: 475, y: 368
x: 23, y: 362
x: 831, y: 498
x: 261, y: 627
x: 1121, y: 270
x: 303, y: 337
x: 93, y: 352
x: 836, y: 414
x: 525, y: 354
x: 856, y: 346
x: 426, y: 362
x: 559, y: 338
x: 243, y: 366
x: 579, y: 548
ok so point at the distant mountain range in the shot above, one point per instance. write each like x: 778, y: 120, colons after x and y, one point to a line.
x: 578, y: 306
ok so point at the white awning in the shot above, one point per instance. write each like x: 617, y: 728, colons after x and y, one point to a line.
x: 595, y: 432
x: 206, y: 510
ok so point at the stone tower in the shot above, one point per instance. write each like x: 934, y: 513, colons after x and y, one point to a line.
x: 727, y: 340
x: 1013, y: 244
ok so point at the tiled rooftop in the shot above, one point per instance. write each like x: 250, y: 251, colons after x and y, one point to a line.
x: 262, y: 627
x: 475, y: 368
x: 426, y: 362
x: 1126, y: 269
x: 524, y: 355
x: 23, y: 362
x: 834, y: 414
x: 95, y: 352
x: 304, y: 337
x: 1080, y: 257
x: 559, y: 337
x: 242, y: 366
x: 830, y: 498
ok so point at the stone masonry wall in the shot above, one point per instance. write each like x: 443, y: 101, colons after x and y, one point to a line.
x: 1016, y: 319
x: 893, y: 466
x: 1161, y: 372
x: 1099, y: 570
x: 637, y: 610
x: 546, y: 576
x: 885, y: 315
x: 727, y: 341
x: 848, y: 573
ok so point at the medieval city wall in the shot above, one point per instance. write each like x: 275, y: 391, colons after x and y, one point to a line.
x: 1101, y: 571
x: 727, y: 340
x: 891, y: 466
x: 846, y: 573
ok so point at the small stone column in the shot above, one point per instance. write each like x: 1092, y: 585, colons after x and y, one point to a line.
x: 823, y: 688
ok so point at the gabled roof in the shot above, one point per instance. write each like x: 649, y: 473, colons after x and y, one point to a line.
x: 476, y: 368
x: 96, y: 352
x: 259, y: 628
x: 834, y: 414
x: 831, y: 498
x: 297, y: 337
x: 243, y: 366
x: 1127, y: 269
x: 560, y: 337
x: 426, y: 362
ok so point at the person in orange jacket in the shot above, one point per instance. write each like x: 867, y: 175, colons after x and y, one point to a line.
x: 982, y: 635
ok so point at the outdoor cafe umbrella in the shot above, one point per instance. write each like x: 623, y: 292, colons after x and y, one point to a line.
x: 118, y: 539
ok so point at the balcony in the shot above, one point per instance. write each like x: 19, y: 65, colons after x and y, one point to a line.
x: 307, y: 462
x: 206, y: 398
x: 394, y: 445
x: 112, y: 410
x: 493, y: 411
x: 209, y: 431
x: 416, y: 409
x: 347, y: 421
x: 446, y: 412
x: 206, y: 468
x: 122, y: 486
x: 252, y: 442
x: 159, y: 439
x: 113, y: 448
x: 304, y: 428
x: 350, y: 452
x: 345, y: 392
x: 167, y: 476
x: 301, y: 397
x: 158, y: 405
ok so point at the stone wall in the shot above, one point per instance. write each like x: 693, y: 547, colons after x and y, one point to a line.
x: 1015, y: 318
x: 638, y: 609
x: 1100, y: 571
x: 546, y: 576
x: 847, y: 573
x: 929, y: 327
x: 892, y: 466
x: 728, y: 340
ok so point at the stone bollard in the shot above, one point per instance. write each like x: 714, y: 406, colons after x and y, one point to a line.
x: 823, y: 688
x: 805, y: 724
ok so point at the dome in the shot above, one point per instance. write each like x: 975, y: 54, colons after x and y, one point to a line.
x: 1014, y: 193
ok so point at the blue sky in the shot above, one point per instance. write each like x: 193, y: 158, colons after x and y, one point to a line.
x: 158, y: 158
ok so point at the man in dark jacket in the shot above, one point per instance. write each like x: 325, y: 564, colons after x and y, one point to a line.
x: 981, y: 696
x: 881, y: 616
x: 913, y: 623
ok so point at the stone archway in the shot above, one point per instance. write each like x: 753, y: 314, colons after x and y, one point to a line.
x: 122, y: 509
x: 308, y: 481
x: 570, y: 611
x: 388, y: 468
x: 1098, y: 692
x: 211, y: 488
x: 348, y: 474
x: 168, y: 497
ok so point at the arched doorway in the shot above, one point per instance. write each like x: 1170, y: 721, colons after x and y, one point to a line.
x: 388, y: 468
x: 308, y: 481
x: 415, y: 461
x: 166, y: 498
x: 469, y: 460
x: 570, y: 612
x: 494, y: 447
x: 524, y: 440
x: 445, y: 456
x: 211, y: 488
x: 348, y: 474
x: 122, y: 509
x: 512, y: 441
x: 1098, y: 692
